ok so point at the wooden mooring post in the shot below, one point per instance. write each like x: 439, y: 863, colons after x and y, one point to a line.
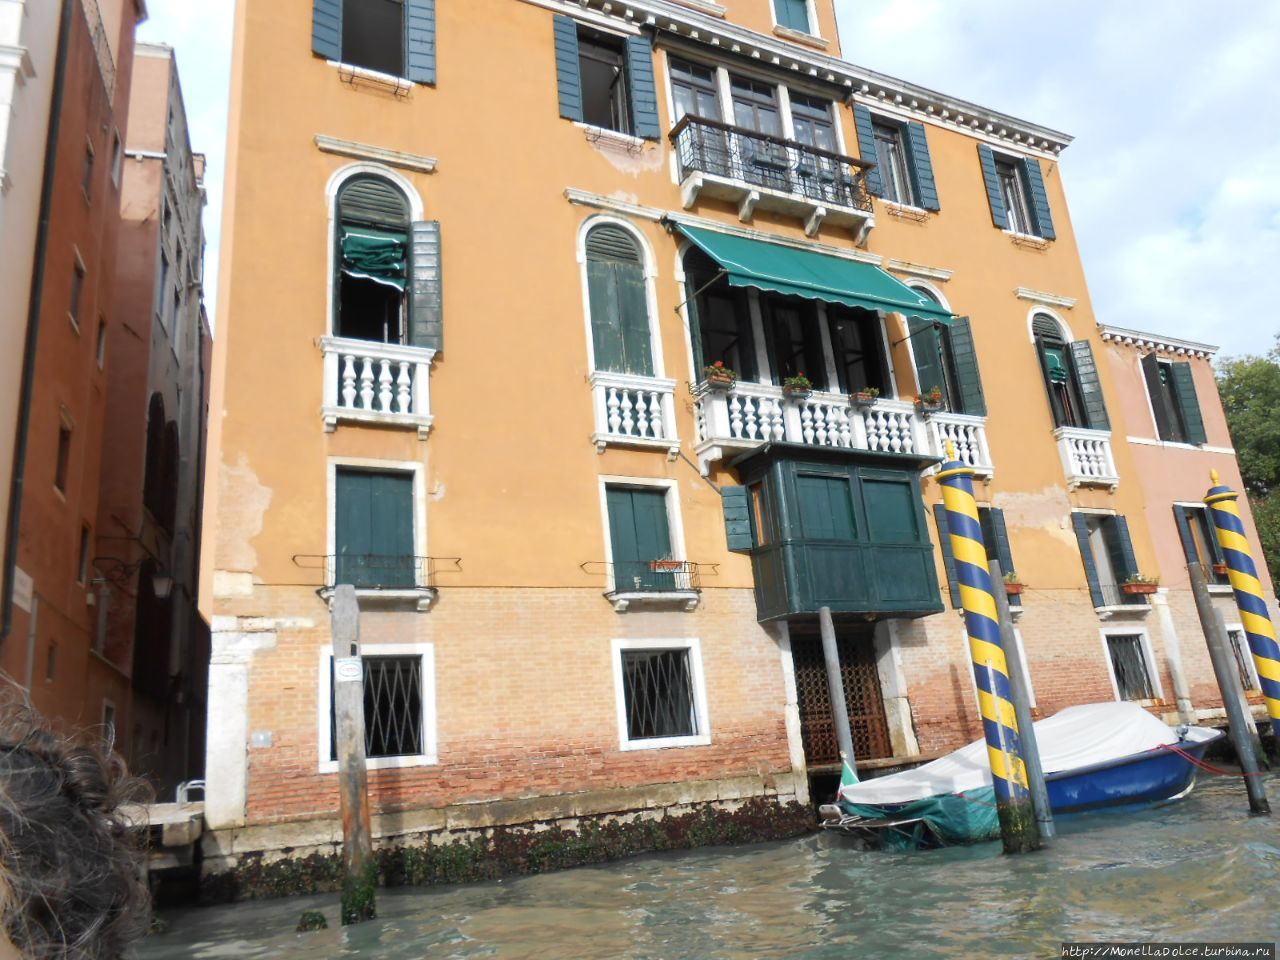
x: 1248, y: 750
x: 835, y: 687
x: 360, y: 871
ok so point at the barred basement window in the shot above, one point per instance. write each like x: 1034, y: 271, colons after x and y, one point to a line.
x: 658, y: 691
x: 392, y: 708
x: 1129, y: 665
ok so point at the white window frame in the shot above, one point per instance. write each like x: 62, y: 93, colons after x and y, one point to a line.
x: 335, y: 184
x: 811, y: 12
x: 675, y: 524
x: 649, y: 267
x: 413, y: 467
x: 427, y: 682
x: 1247, y: 650
x: 693, y: 646
x: 1153, y: 670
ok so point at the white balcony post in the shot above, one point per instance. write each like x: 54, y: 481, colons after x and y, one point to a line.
x: 332, y: 360
x: 858, y: 426
x: 793, y: 430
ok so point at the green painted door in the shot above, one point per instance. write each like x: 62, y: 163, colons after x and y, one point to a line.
x: 640, y: 536
x: 374, y: 529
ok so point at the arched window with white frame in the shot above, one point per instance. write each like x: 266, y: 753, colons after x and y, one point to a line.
x: 618, y: 301
x: 1070, y: 375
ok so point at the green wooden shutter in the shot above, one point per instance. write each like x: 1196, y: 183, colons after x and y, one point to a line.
x: 964, y: 355
x: 948, y: 558
x: 1120, y: 546
x: 1184, y: 386
x: 633, y: 311
x: 825, y: 507
x: 641, y: 89
x: 921, y: 166
x: 606, y: 321
x: 926, y: 347
x: 736, y: 502
x: 1039, y: 199
x: 793, y: 14
x: 373, y: 529
x: 639, y: 534
x: 867, y: 148
x: 999, y: 215
x: 1184, y: 521
x: 426, y: 302
x: 568, y: 73
x: 1086, y: 370
x: 326, y: 28
x: 1159, y: 399
x: 420, y: 36
x: 1000, y: 534
x: 1081, y: 526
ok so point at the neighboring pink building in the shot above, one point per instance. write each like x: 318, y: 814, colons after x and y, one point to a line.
x: 1177, y: 435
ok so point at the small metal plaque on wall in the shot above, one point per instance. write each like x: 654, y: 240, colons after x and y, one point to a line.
x: 348, y: 670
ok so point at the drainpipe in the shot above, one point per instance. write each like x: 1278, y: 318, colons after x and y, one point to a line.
x: 33, y: 313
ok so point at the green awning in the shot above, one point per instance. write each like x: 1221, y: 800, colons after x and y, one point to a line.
x: 375, y: 255
x: 817, y: 276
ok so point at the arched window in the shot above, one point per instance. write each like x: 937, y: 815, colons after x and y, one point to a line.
x: 1059, y: 374
x: 153, y: 484
x: 372, y: 271
x: 618, y: 301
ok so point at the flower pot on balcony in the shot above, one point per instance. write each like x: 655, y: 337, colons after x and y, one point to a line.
x: 719, y: 383
x: 863, y: 399
x: 927, y: 407
x: 1014, y: 589
x: 666, y: 566
x: 1139, y: 589
x: 1220, y: 569
x: 797, y: 393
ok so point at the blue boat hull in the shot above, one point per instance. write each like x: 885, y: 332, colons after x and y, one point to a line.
x: 1134, y: 781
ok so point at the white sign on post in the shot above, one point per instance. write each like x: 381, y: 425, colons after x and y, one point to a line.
x: 348, y: 669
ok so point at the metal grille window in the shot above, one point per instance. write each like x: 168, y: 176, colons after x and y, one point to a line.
x: 392, y: 708
x: 657, y: 687
x: 1129, y: 664
x: 1244, y: 660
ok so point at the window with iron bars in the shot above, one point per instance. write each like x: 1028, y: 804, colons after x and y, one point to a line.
x: 392, y: 708
x: 1129, y: 664
x: 658, y: 691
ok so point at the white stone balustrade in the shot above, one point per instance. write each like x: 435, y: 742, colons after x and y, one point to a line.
x: 750, y: 414
x: 634, y: 411
x: 969, y: 436
x: 1087, y: 457
x: 377, y: 382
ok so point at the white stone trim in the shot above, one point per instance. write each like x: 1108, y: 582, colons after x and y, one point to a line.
x: 939, y: 274
x: 1153, y: 673
x: 373, y: 154
x: 1157, y: 342
x: 1044, y: 299
x: 401, y: 84
x: 617, y: 138
x: 675, y: 522
x: 694, y: 647
x: 1204, y: 448
x: 430, y: 741
x: 1040, y: 310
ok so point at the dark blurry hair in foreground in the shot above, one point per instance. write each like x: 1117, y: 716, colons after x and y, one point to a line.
x: 70, y: 883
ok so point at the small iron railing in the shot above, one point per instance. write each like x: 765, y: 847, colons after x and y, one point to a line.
x: 101, y: 46
x: 651, y: 576
x: 763, y: 160
x: 1114, y: 595
x: 377, y: 571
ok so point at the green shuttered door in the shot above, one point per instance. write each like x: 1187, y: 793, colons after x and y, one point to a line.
x: 921, y: 166
x: 968, y: 379
x: 619, y: 317
x: 995, y: 198
x: 1185, y: 388
x: 374, y: 529
x: 639, y: 534
x: 1086, y: 368
x: 641, y: 88
x: 736, y: 502
x: 867, y: 148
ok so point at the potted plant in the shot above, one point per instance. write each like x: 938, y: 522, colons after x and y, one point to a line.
x: 1220, y: 569
x: 719, y: 377
x: 930, y: 401
x: 1137, y: 584
x: 864, y: 397
x: 798, y: 387
x: 1012, y: 585
x: 666, y: 566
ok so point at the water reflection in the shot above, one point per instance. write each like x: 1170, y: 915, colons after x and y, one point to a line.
x: 1199, y: 870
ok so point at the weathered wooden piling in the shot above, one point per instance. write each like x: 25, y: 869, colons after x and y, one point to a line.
x: 1018, y: 827
x: 360, y: 870
x: 1248, y: 751
x: 835, y: 686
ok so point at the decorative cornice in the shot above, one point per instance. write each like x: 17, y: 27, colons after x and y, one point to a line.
x: 1157, y: 342
x: 597, y: 201
x: 17, y: 60
x: 1045, y: 299
x: 670, y: 17
x: 364, y: 151
x: 919, y: 270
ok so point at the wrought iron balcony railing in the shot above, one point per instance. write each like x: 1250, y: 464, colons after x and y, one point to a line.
x: 394, y: 576
x: 637, y: 582
x: 750, y: 159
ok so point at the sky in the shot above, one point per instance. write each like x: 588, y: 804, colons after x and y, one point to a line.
x: 1173, y: 180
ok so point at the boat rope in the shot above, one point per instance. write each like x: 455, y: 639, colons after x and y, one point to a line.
x: 1206, y: 767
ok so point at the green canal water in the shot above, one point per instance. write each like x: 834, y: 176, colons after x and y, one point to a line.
x: 1200, y: 869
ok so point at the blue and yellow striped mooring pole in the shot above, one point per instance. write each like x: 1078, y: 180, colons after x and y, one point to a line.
x: 1225, y: 511
x: 1018, y: 827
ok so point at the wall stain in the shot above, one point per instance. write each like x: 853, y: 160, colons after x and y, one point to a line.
x: 244, y: 501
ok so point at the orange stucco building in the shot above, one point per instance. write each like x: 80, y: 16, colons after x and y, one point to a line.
x: 484, y: 264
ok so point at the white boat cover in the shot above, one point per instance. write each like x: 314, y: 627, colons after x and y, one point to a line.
x: 1073, y: 737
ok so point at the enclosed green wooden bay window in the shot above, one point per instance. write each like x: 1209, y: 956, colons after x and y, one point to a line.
x: 833, y: 528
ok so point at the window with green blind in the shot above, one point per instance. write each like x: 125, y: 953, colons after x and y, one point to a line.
x: 639, y: 535
x: 1070, y: 377
x: 1171, y: 387
x: 373, y: 529
x: 793, y: 14
x: 826, y: 507
x: 947, y: 359
x: 618, y: 302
